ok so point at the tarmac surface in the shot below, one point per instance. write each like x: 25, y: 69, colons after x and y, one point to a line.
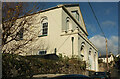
x: 0, y: 65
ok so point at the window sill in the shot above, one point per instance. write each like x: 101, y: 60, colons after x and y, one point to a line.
x: 42, y: 35
x: 69, y: 33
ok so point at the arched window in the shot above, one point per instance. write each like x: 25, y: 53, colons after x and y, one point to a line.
x: 89, y: 58
x: 95, y: 60
x: 90, y: 50
x: 94, y: 56
x: 76, y: 14
x: 20, y: 34
x: 44, y: 26
x: 68, y: 24
x: 82, y: 48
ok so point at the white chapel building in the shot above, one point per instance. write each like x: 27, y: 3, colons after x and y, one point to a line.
x: 61, y: 29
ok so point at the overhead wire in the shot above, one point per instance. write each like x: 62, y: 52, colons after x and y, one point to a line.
x: 97, y: 20
x: 102, y: 32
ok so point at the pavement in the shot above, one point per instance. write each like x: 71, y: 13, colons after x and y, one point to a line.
x: 0, y: 65
x: 46, y: 75
x: 115, y: 74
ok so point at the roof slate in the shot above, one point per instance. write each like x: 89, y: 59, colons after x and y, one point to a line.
x: 104, y: 56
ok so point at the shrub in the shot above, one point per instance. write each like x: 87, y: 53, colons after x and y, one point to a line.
x: 17, y: 66
x: 100, y: 61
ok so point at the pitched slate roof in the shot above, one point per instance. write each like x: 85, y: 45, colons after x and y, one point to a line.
x: 68, y: 5
x: 59, y: 6
x: 104, y: 56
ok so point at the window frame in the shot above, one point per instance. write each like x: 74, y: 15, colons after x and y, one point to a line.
x: 44, y: 52
x: 77, y: 16
x: 43, y: 28
x: 20, y: 34
x: 90, y: 51
x: 68, y: 24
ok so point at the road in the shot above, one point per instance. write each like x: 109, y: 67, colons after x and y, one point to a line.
x: 0, y: 65
x: 115, y: 73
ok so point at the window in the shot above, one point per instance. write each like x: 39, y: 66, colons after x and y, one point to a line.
x: 76, y: 14
x: 44, y: 26
x: 82, y: 49
x: 42, y: 52
x: 90, y: 51
x: 68, y: 24
x: 20, y: 34
x: 94, y: 56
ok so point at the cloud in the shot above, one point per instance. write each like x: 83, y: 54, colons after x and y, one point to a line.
x: 113, y: 44
x: 108, y: 23
x: 114, y: 40
x: 99, y: 42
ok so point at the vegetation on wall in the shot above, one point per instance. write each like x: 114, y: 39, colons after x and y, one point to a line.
x: 17, y: 31
x: 117, y: 61
x: 18, y: 66
x: 100, y: 61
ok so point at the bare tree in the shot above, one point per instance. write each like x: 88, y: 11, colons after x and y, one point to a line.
x: 17, y: 32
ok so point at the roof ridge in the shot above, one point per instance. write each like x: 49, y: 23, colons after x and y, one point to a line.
x: 67, y: 5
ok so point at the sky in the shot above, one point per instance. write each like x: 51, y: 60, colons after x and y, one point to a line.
x: 107, y: 15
